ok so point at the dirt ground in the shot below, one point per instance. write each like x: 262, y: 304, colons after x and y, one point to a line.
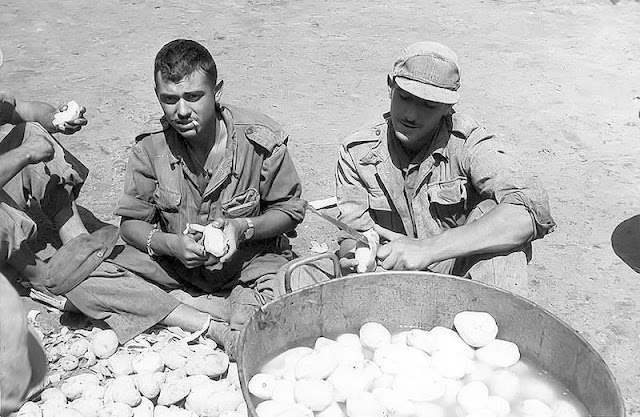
x: 560, y: 80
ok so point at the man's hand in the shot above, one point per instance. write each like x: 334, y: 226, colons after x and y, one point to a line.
x: 350, y: 261
x: 402, y: 253
x: 234, y: 230
x: 188, y: 251
x: 72, y: 126
x: 37, y: 149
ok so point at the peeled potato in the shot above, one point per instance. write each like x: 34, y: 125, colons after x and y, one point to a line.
x: 283, y: 365
x: 333, y: 410
x: 296, y: 410
x: 399, y: 338
x: 363, y: 256
x: 322, y: 343
x: 269, y: 408
x: 283, y: 391
x: 348, y: 379
x: 447, y: 339
x: 395, y: 403
x: 364, y: 404
x: 351, y: 340
x: 393, y: 359
x: 565, y: 409
x: 419, y: 384
x: 212, y: 365
x: 451, y: 389
x: 498, y: 405
x: 504, y: 383
x: 534, y: 408
x: 476, y: 328
x: 536, y: 388
x: 473, y: 396
x: 316, y: 394
x: 70, y: 114
x: 499, y: 353
x: 261, y: 385
x: 373, y: 335
x: 450, y: 364
x: 215, y: 241
x: 105, y: 343
x: 428, y: 409
x: 317, y: 365
x: 421, y: 339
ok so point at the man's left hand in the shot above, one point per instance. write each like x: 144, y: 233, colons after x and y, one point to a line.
x: 234, y: 231
x: 69, y: 127
x: 402, y: 253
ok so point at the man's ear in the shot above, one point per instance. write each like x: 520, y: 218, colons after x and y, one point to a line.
x: 390, y: 84
x: 218, y: 91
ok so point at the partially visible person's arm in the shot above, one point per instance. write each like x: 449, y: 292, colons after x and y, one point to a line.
x: 43, y: 113
x: 503, y: 228
x: 12, y: 162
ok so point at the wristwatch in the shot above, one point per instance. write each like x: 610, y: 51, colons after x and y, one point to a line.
x: 248, y: 233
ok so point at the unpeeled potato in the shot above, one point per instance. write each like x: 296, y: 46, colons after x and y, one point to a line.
x: 173, y: 391
x: 144, y: 409
x: 148, y: 362
x: 74, y: 386
x: 148, y: 384
x: 120, y: 364
x: 123, y: 390
x: 29, y: 409
x: 104, y: 343
x: 87, y: 407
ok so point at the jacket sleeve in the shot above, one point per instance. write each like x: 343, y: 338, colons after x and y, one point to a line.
x: 137, y: 200
x: 496, y: 174
x: 280, y: 187
x: 351, y: 193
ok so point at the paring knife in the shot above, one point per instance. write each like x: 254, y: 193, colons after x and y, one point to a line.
x: 340, y: 225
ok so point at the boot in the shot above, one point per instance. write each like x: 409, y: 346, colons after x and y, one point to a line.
x: 222, y: 334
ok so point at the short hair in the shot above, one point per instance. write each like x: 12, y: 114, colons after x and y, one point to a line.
x: 181, y: 58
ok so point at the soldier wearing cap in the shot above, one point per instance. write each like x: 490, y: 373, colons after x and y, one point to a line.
x: 432, y: 189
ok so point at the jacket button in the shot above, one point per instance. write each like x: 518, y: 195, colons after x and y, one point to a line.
x: 100, y: 254
x: 377, y: 132
x: 249, y: 130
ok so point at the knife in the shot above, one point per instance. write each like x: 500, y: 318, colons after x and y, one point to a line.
x: 340, y: 225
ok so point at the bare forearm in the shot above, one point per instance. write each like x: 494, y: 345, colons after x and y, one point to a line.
x: 272, y: 223
x: 11, y: 163
x: 505, y: 227
x: 34, y: 111
x: 136, y: 232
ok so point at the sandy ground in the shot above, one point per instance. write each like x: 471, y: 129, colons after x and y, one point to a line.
x: 560, y: 80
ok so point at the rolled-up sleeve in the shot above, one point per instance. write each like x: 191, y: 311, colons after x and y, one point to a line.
x: 7, y: 107
x: 137, y: 200
x: 280, y: 187
x: 496, y: 174
x: 351, y: 193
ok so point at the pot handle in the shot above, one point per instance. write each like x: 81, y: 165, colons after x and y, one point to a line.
x: 306, y: 260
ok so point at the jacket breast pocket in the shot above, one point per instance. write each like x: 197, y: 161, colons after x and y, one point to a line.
x: 245, y: 204
x: 447, y: 202
x: 167, y: 201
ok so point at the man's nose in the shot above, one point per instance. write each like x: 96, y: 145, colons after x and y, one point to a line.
x: 183, y: 109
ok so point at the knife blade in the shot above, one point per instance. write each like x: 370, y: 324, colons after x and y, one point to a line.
x: 340, y: 225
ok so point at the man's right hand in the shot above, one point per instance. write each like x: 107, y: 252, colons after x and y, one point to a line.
x: 188, y: 251
x: 37, y: 149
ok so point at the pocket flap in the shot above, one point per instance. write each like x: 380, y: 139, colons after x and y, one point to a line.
x: 447, y: 193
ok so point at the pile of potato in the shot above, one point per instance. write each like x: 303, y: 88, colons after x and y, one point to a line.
x: 161, y: 373
x: 415, y: 373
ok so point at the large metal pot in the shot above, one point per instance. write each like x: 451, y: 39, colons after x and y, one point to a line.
x: 403, y: 300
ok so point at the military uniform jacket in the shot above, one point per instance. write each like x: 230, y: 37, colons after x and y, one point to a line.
x: 463, y: 166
